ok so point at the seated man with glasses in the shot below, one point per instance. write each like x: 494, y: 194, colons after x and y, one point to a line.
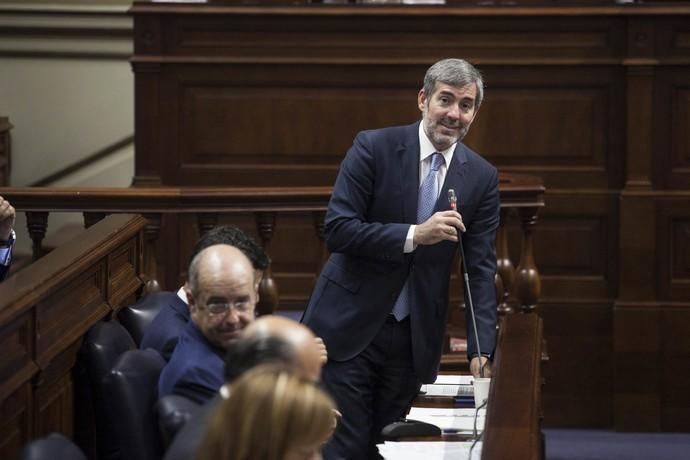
x: 222, y: 293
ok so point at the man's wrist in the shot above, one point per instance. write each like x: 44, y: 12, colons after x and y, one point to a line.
x: 8, y: 240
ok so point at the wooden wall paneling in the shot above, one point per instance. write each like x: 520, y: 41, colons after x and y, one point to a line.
x: 640, y: 115
x: 66, y: 315
x: 675, y: 399
x: 244, y: 125
x: 16, y: 370
x: 578, y: 390
x: 671, y: 157
x: 124, y: 269
x: 673, y: 248
x: 53, y: 394
x: 296, y: 259
x: 576, y: 245
x: 564, y: 124
x: 16, y: 419
x: 146, y: 126
x: 638, y: 366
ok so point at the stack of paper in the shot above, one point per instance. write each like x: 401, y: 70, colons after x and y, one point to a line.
x: 429, y: 450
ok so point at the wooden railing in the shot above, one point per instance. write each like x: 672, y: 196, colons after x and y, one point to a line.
x: 520, y: 195
x: 45, y: 310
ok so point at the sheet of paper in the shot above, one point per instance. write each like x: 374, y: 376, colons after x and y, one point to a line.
x: 454, y: 380
x: 447, y: 390
x: 429, y: 450
x: 455, y: 419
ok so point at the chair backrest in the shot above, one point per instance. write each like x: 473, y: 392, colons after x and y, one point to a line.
x: 55, y: 446
x: 137, y: 317
x: 174, y: 411
x: 132, y: 388
x: 103, y: 344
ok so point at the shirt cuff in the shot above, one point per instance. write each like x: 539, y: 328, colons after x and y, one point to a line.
x: 409, y: 241
x: 6, y: 251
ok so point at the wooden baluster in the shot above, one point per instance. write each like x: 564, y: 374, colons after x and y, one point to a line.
x: 320, y: 227
x: 206, y: 221
x: 152, y: 231
x: 268, y: 290
x: 505, y: 270
x: 527, y: 281
x: 37, y: 224
x: 91, y: 218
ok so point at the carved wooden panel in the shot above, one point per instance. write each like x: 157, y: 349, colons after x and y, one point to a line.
x: 123, y: 267
x: 67, y: 314
x: 575, y: 245
x: 55, y: 407
x: 673, y: 246
x: 652, y: 350
x: 578, y: 388
x: 675, y: 400
x: 672, y: 158
x: 17, y: 346
x: 637, y: 346
x: 563, y: 124
x: 243, y: 126
x: 329, y: 37
x: 15, y: 421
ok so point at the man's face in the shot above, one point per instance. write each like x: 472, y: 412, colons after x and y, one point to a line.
x: 448, y: 113
x: 225, y: 305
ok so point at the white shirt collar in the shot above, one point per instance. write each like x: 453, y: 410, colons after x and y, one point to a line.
x: 182, y: 295
x: 426, y: 148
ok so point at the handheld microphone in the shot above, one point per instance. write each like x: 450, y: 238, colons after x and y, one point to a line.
x: 452, y: 199
x: 453, y: 202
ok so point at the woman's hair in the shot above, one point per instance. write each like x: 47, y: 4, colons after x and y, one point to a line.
x: 269, y: 413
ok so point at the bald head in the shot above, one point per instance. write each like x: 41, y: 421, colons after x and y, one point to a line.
x: 221, y: 292
x: 308, y: 358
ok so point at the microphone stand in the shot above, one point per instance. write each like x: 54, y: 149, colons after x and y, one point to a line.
x: 453, y: 201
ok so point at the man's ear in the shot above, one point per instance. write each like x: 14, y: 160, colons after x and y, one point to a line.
x: 191, y: 301
x: 421, y: 100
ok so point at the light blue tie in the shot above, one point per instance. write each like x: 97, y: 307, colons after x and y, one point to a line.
x: 426, y: 202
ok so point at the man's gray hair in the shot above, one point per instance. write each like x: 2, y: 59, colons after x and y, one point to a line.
x: 454, y: 72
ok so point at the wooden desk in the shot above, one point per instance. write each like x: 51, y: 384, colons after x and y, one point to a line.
x: 513, y: 417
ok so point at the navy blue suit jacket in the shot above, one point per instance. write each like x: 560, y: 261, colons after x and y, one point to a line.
x: 166, y: 327
x: 196, y: 367
x: 374, y: 202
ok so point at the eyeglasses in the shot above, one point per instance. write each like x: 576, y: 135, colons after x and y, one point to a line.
x: 221, y: 308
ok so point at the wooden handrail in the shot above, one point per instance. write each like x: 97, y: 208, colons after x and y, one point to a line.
x: 516, y: 191
x: 520, y: 194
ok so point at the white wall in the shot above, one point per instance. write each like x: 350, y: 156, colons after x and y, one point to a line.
x: 67, y: 95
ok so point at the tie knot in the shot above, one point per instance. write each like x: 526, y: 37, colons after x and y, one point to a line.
x: 436, y: 161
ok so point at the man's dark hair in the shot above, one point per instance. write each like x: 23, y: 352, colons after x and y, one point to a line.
x: 248, y: 352
x: 233, y: 236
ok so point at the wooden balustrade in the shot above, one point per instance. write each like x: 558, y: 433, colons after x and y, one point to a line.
x: 522, y: 195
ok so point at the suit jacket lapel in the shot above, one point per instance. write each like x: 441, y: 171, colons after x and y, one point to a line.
x: 408, y: 156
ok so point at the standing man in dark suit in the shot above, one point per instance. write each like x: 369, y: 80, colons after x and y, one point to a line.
x: 381, y: 300
x: 7, y: 217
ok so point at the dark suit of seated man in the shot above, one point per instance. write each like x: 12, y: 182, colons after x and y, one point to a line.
x: 7, y: 217
x: 164, y: 331
x: 268, y: 340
